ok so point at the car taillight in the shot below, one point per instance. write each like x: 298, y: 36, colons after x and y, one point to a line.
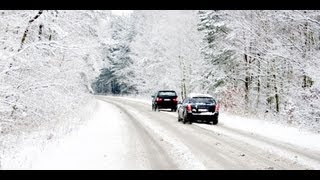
x: 189, y: 108
x: 175, y: 99
x: 158, y: 99
x: 217, y: 108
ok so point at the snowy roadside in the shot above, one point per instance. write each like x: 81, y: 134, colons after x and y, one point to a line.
x: 20, y: 152
x: 276, y: 139
x: 273, y: 130
x: 97, y: 144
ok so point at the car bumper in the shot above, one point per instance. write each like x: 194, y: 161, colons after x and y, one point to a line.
x: 203, y: 115
x: 167, y: 105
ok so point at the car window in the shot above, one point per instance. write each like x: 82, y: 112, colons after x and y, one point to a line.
x: 167, y: 93
x: 202, y: 100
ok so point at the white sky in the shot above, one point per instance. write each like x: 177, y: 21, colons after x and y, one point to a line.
x: 121, y: 12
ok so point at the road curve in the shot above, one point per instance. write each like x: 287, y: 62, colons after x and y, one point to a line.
x: 169, y: 144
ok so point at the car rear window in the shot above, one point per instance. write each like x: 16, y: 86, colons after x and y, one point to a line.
x: 167, y: 93
x: 202, y: 100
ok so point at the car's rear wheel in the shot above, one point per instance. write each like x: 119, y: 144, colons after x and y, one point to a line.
x: 215, y: 120
x: 184, y: 119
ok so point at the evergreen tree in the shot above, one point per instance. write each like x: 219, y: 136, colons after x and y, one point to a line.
x: 114, y: 78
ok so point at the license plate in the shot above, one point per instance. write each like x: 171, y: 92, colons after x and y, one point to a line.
x: 167, y: 99
x: 202, y: 110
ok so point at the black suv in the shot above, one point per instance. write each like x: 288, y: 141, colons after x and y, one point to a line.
x: 165, y: 99
x: 198, y: 107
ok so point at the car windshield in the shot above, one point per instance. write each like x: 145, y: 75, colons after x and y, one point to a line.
x: 207, y: 100
x: 167, y: 93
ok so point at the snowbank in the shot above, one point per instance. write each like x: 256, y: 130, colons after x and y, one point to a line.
x: 90, y: 146
x: 273, y: 130
x: 19, y: 151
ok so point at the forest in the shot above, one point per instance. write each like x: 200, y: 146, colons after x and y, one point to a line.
x: 260, y: 63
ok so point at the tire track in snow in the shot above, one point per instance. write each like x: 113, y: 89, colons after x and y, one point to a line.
x: 176, y: 150
x: 156, y: 155
x: 269, y: 152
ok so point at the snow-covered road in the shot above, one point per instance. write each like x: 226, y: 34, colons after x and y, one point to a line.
x: 205, y: 146
x: 124, y: 133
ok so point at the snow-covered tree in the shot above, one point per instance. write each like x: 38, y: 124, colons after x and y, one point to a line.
x: 114, y: 76
x: 265, y: 61
x: 166, y: 45
x: 48, y: 60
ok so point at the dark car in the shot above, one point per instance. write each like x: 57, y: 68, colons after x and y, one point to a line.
x: 198, y: 107
x: 165, y: 99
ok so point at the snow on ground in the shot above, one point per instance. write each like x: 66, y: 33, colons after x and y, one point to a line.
x: 177, y: 150
x: 275, y: 138
x: 104, y: 141
x: 280, y: 132
x: 98, y: 144
x: 26, y: 148
x: 143, y: 99
x: 101, y: 143
x: 231, y: 125
x: 276, y: 134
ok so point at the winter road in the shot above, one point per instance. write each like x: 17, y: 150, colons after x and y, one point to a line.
x: 124, y: 133
x: 156, y: 140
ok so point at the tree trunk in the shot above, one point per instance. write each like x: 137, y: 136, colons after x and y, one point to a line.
x: 247, y: 80
x: 183, y: 80
x: 276, y: 93
x: 27, y: 29
x: 258, y: 83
